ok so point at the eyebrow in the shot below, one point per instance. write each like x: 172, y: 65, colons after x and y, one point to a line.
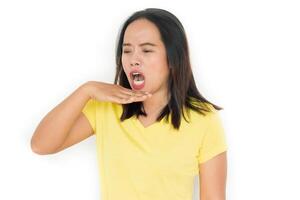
x: 142, y: 44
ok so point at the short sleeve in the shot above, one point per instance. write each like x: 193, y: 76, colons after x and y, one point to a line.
x: 214, y: 141
x: 89, y: 110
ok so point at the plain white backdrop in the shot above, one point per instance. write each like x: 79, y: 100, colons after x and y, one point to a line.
x: 245, y: 57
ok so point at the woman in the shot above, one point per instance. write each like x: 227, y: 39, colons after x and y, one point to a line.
x: 154, y: 130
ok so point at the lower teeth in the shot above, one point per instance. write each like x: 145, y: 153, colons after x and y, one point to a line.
x: 138, y: 82
x: 138, y: 79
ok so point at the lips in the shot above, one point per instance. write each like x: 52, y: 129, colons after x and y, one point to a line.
x: 136, y: 71
x: 137, y: 85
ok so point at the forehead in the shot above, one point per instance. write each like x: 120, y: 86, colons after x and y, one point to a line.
x: 140, y: 31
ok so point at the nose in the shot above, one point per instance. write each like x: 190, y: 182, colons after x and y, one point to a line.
x: 135, y: 64
x: 135, y: 59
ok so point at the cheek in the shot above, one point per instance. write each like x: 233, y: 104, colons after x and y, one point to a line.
x: 161, y: 60
x: 158, y: 74
x: 125, y: 64
x: 160, y: 66
x: 123, y: 61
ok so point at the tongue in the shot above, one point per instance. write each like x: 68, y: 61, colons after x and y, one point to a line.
x: 138, y: 82
x: 139, y: 77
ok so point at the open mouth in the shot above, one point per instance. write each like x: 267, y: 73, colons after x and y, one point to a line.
x: 138, y: 80
x: 137, y: 77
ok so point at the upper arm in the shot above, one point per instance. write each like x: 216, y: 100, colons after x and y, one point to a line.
x: 80, y: 130
x: 212, y: 175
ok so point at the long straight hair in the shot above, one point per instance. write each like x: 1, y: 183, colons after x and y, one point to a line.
x: 181, y: 83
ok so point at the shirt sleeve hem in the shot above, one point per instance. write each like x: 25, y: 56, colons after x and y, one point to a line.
x: 212, y: 154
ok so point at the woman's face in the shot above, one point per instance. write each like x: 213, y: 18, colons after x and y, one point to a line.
x: 144, y: 52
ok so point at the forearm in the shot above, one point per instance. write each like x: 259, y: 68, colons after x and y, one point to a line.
x: 54, y: 127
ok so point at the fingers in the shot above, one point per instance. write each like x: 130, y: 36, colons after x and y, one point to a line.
x: 128, y: 96
x: 134, y: 93
x: 140, y: 97
x: 125, y: 95
x: 133, y: 98
x: 131, y: 92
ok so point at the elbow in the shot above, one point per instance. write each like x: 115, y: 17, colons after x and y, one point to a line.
x: 38, y: 150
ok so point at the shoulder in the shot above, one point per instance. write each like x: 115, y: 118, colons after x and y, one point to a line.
x: 207, y: 110
x: 207, y: 116
x: 103, y: 103
x: 107, y: 107
x: 93, y: 104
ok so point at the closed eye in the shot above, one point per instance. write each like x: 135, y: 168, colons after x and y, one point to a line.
x: 145, y: 51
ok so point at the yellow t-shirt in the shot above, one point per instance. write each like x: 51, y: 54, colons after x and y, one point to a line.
x: 155, y: 162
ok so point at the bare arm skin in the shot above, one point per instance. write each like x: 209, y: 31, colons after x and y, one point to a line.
x: 212, y: 176
x: 65, y: 125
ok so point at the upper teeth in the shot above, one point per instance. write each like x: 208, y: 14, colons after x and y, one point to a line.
x: 134, y: 74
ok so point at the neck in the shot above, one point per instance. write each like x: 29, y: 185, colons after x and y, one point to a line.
x: 156, y: 103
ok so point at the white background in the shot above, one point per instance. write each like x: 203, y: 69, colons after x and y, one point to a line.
x: 245, y: 57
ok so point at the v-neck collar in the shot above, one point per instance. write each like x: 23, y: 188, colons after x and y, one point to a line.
x: 152, y: 126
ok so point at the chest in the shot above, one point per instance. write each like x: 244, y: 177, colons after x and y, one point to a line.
x: 156, y: 145
x: 146, y: 121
